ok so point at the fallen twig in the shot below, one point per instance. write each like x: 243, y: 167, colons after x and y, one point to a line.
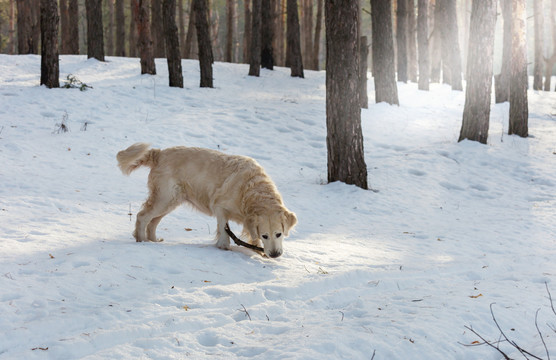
x: 245, y: 311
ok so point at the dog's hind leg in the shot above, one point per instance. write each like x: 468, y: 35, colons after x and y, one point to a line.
x: 222, y: 238
x: 151, y: 228
x: 157, y: 206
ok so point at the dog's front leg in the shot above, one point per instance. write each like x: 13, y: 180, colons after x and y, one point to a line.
x: 222, y: 238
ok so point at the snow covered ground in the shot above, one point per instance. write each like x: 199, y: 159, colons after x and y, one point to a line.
x: 449, y: 228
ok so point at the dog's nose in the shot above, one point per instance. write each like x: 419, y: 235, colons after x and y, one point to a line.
x: 275, y: 253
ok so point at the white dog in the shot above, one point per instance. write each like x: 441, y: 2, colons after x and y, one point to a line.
x: 229, y: 187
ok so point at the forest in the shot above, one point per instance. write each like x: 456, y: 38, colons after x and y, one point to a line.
x: 415, y: 141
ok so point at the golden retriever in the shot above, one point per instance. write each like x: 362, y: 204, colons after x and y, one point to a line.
x: 229, y: 187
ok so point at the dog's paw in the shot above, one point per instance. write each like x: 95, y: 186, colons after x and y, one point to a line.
x: 157, y: 240
x: 223, y: 244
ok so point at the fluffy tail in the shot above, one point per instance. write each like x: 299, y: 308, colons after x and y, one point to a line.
x: 137, y: 155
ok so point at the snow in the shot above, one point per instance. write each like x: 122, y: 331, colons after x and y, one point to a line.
x: 400, y: 271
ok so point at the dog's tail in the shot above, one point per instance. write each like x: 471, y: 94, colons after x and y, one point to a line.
x: 139, y: 154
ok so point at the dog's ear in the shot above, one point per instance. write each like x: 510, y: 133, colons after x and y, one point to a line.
x: 289, y: 222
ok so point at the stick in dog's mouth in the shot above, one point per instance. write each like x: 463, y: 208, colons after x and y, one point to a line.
x: 240, y: 242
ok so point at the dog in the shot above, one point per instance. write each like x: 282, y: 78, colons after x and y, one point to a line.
x: 229, y: 187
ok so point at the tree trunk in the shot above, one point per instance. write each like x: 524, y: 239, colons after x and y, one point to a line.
x: 552, y: 60
x: 539, y: 43
x: 11, y: 36
x: 401, y: 39
x: 279, y: 40
x: 247, y: 31
x: 181, y: 24
x: 172, y: 43
x: 294, y: 58
x: 450, y: 43
x: 502, y: 80
x: 476, y: 112
x: 157, y: 29
x: 316, y: 41
x: 27, y: 41
x: 50, y: 69
x: 411, y: 42
x: 230, y: 16
x: 133, y: 41
x: 363, y: 58
x: 191, y: 34
x: 519, y: 111
x: 144, y: 42
x: 110, y: 28
x: 267, y: 35
x: 344, y: 138
x: 120, y: 28
x: 64, y: 27
x: 423, y: 39
x: 436, y: 43
x: 203, y: 41
x: 255, y: 49
x: 383, y: 52
x: 95, y: 38
x: 73, y: 23
x: 307, y: 32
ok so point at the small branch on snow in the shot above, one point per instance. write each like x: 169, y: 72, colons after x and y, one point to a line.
x: 245, y: 311
x: 539, y: 331
x: 550, y: 298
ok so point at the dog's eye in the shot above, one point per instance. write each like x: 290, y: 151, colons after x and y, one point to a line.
x: 265, y: 237
x: 278, y: 235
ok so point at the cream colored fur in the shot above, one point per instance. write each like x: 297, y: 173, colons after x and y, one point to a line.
x: 229, y: 187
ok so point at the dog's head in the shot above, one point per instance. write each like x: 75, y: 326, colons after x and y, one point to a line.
x: 271, y: 229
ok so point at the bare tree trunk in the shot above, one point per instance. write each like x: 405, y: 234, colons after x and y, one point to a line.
x: 344, y: 139
x: 363, y: 58
x: 50, y: 69
x: 279, y: 42
x: 120, y: 28
x: 191, y: 33
x: 64, y: 26
x: 267, y: 35
x: 35, y: 25
x: 436, y: 43
x: 255, y: 51
x: 110, y: 29
x: 294, y: 58
x: 172, y: 43
x: 11, y: 37
x: 95, y: 37
x: 228, y: 55
x: 157, y: 29
x: 423, y: 40
x: 144, y: 42
x: 411, y: 42
x: 73, y: 24
x: 307, y: 33
x: 383, y: 52
x: 519, y: 111
x: 502, y: 80
x: 450, y: 43
x: 132, y: 31
x: 316, y: 41
x: 247, y: 31
x: 552, y: 60
x: 539, y: 44
x: 476, y: 112
x: 204, y: 42
x: 27, y: 42
x: 181, y: 25
x: 401, y: 36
